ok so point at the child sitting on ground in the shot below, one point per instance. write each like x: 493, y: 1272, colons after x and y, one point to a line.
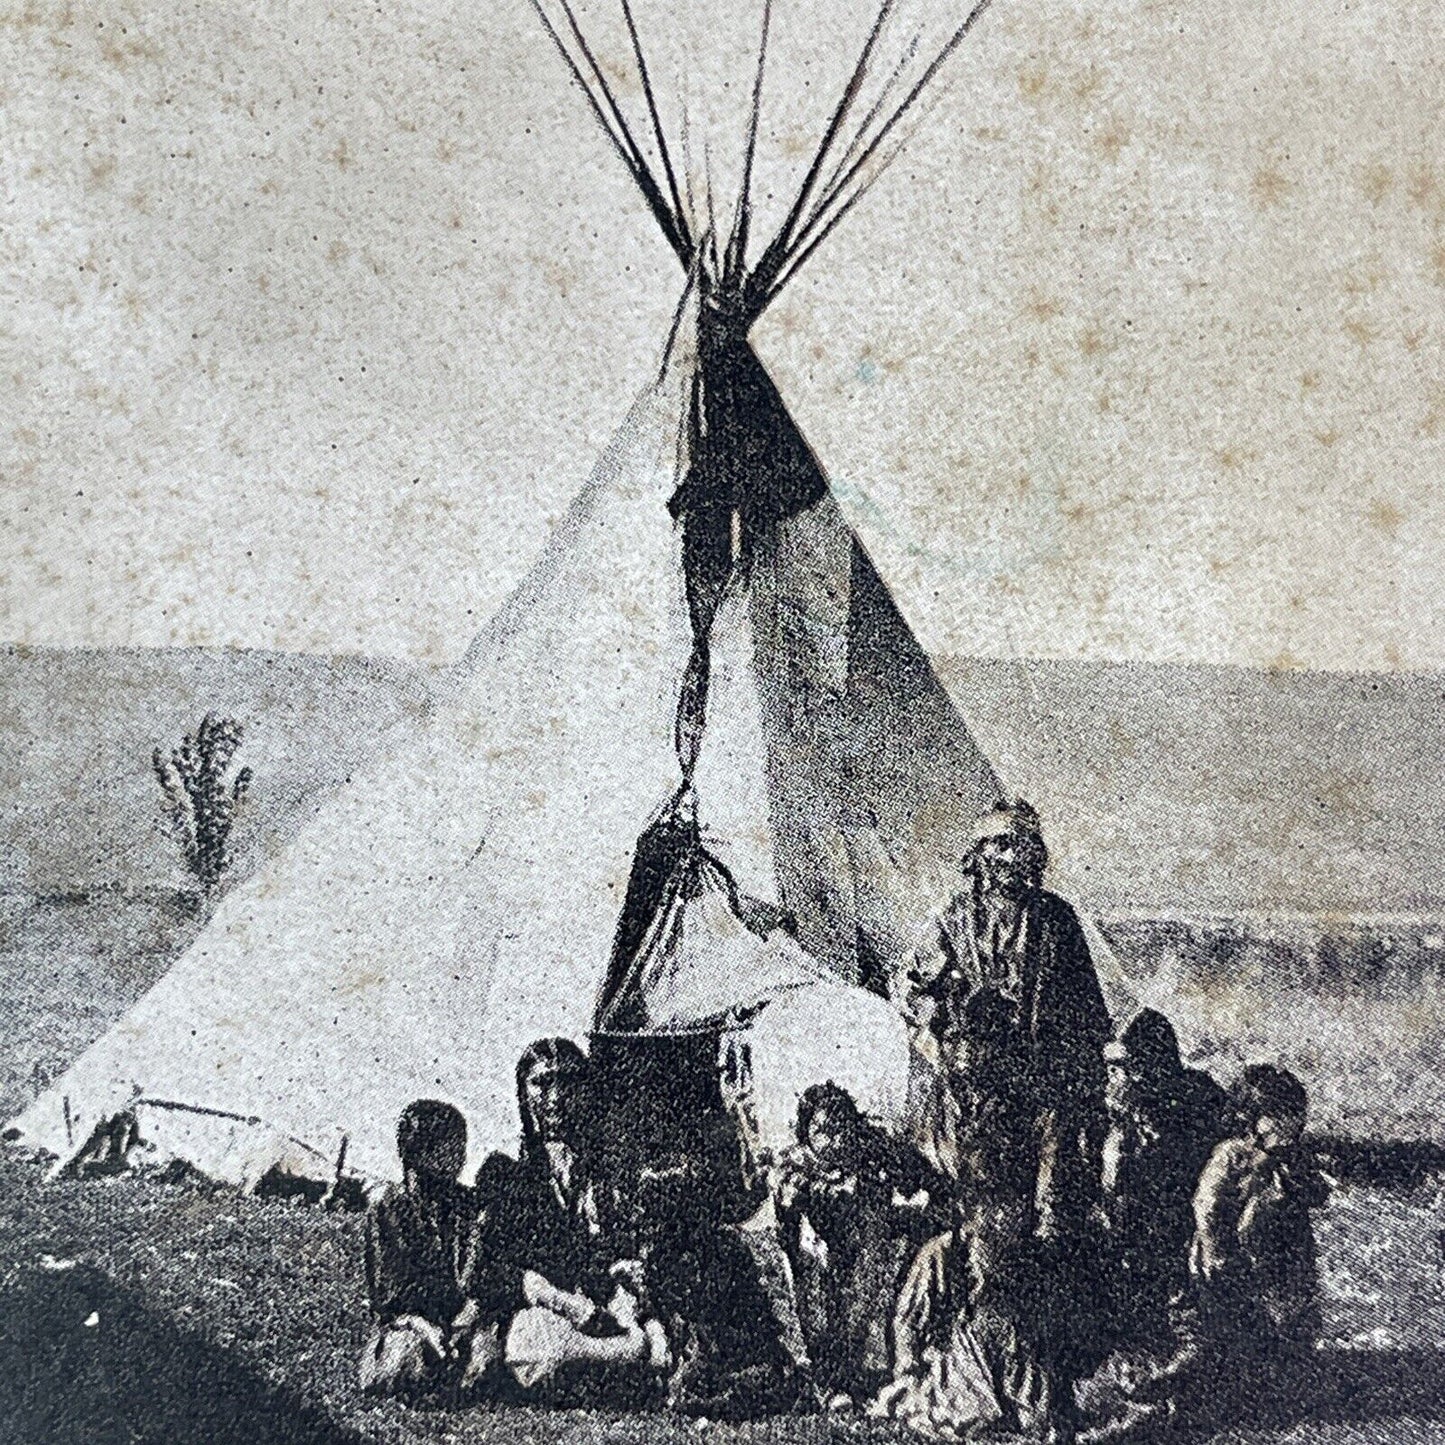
x: 852, y: 1205
x: 701, y: 1281
x: 419, y: 1251
x: 971, y: 1353
x: 1248, y: 1322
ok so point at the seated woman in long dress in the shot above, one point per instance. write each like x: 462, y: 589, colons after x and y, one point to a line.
x: 571, y: 1324
x: 970, y: 1346
x: 1246, y: 1325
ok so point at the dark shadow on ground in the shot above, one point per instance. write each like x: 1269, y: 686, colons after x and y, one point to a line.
x: 131, y: 1378
x: 1362, y: 1385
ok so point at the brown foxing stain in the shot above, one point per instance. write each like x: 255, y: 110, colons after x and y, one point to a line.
x: 134, y: 305
x: 889, y: 363
x: 1284, y: 661
x: 263, y: 284
x: 1032, y: 79
x: 1122, y: 743
x: 1361, y: 332
x: 1270, y: 186
x: 1112, y: 140
x: 1044, y: 308
x: 120, y: 53
x: 1105, y: 404
x: 557, y: 276
x: 1365, y: 281
x: 1309, y: 381
x: 337, y: 252
x: 1376, y: 182
x: 622, y: 74
x: 1328, y: 437
x: 1385, y: 516
x: 341, y: 156
x: 139, y: 200
x: 101, y: 171
x: 1434, y: 421
x: 1235, y: 458
x: 798, y: 144
x: 454, y: 221
x: 1091, y: 341
x: 445, y: 150
x: 1423, y: 187
x: 1413, y: 339
x: 1074, y: 508
x: 361, y: 983
x: 1437, y: 262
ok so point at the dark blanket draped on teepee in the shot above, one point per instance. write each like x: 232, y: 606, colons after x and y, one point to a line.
x: 871, y: 778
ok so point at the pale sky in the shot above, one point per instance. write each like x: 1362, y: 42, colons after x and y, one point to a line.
x: 312, y: 319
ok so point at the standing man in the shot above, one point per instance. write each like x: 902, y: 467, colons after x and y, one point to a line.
x: 1005, y: 932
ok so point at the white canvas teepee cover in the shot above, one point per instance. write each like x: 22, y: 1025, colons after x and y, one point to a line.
x: 459, y: 899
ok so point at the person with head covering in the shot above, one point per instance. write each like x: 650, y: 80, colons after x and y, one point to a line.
x: 972, y: 1338
x: 1004, y: 931
x: 1246, y: 1326
x: 1163, y: 1122
x: 420, y: 1249
x: 571, y: 1320
x: 852, y: 1205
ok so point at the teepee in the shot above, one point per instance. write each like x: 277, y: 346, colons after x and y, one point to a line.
x: 703, y: 616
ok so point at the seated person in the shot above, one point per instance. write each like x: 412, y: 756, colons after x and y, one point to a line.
x: 852, y: 1207
x: 419, y: 1241
x: 1163, y: 1122
x: 570, y: 1329
x: 1249, y: 1320
x: 702, y: 1282
x: 971, y: 1351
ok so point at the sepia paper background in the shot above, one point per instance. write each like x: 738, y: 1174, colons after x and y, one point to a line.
x: 312, y: 317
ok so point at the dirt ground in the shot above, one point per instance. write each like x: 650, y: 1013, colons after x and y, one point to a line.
x: 134, y: 1311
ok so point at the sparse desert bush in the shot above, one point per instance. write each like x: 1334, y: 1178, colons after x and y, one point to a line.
x: 202, y: 793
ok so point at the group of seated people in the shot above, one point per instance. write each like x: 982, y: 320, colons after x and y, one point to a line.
x: 867, y: 1278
